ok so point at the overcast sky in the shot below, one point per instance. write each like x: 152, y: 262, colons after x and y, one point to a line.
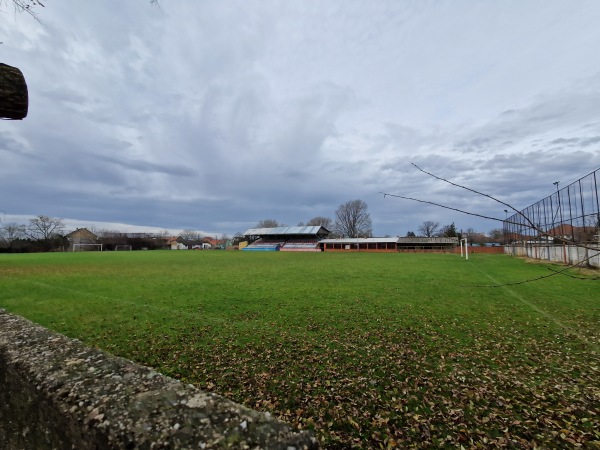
x: 215, y: 114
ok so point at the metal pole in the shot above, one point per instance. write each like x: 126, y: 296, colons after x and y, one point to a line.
x: 561, y: 227
x: 505, y: 227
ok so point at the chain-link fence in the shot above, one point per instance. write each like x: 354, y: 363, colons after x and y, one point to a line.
x: 572, y: 213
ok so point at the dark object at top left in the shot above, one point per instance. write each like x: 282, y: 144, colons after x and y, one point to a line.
x: 14, y: 100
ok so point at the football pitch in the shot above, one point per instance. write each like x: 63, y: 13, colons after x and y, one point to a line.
x: 369, y: 350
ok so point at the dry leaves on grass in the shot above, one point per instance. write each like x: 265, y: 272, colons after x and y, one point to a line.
x: 388, y: 388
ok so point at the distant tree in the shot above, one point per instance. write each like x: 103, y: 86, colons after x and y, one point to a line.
x: 190, y: 235
x: 411, y: 234
x: 448, y: 231
x: 268, y: 223
x: 45, y: 230
x: 111, y: 238
x: 469, y: 233
x: 163, y: 239
x: 320, y: 221
x: 353, y: 220
x: 497, y: 234
x: 10, y: 232
x: 237, y: 238
x: 428, y: 228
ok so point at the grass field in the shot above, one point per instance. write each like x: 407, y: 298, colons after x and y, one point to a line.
x: 369, y: 350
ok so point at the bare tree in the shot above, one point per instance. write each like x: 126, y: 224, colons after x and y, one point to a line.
x: 269, y: 223
x: 353, y: 220
x: 428, y: 228
x: 190, y: 237
x: 10, y: 232
x: 497, y: 234
x: 324, y: 222
x: 45, y: 229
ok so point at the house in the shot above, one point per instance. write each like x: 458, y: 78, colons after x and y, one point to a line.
x: 209, y: 242
x: 82, y: 236
x: 172, y: 242
x: 573, y: 233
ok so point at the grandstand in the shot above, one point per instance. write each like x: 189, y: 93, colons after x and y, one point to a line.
x: 314, y: 239
x: 285, y: 239
x: 390, y: 244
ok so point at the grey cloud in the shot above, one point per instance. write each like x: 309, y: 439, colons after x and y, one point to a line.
x: 146, y: 166
x: 576, y: 141
x: 565, y: 141
x: 554, y: 111
x: 204, y: 114
x: 11, y: 145
x: 590, y: 141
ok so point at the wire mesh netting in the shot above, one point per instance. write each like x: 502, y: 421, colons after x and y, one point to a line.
x: 571, y: 213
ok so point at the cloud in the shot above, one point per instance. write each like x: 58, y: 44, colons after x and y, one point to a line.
x: 590, y: 141
x: 213, y: 116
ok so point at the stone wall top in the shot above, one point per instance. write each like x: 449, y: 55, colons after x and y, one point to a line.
x: 74, y: 396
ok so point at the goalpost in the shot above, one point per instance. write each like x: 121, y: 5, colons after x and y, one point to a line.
x: 87, y: 247
x: 466, y: 248
x: 122, y: 247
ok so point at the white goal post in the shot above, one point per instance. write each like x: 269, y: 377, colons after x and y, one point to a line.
x: 466, y: 248
x: 122, y: 247
x: 87, y: 247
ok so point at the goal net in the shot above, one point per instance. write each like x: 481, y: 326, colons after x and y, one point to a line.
x: 122, y: 247
x: 87, y: 247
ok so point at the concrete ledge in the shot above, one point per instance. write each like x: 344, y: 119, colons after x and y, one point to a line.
x: 56, y: 393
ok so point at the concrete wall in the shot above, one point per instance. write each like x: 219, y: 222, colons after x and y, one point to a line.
x: 487, y: 250
x: 56, y: 393
x: 563, y: 254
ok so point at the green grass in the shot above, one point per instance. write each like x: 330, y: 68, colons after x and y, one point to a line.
x: 370, y: 350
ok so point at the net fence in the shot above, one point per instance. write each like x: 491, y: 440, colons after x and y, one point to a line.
x: 571, y: 213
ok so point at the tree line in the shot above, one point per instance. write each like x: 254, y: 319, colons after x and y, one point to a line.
x: 430, y: 228
x: 41, y: 233
x: 352, y: 219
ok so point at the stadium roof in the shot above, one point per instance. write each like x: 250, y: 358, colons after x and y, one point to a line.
x: 278, y: 231
x: 399, y: 240
x: 428, y: 240
x: 378, y: 240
